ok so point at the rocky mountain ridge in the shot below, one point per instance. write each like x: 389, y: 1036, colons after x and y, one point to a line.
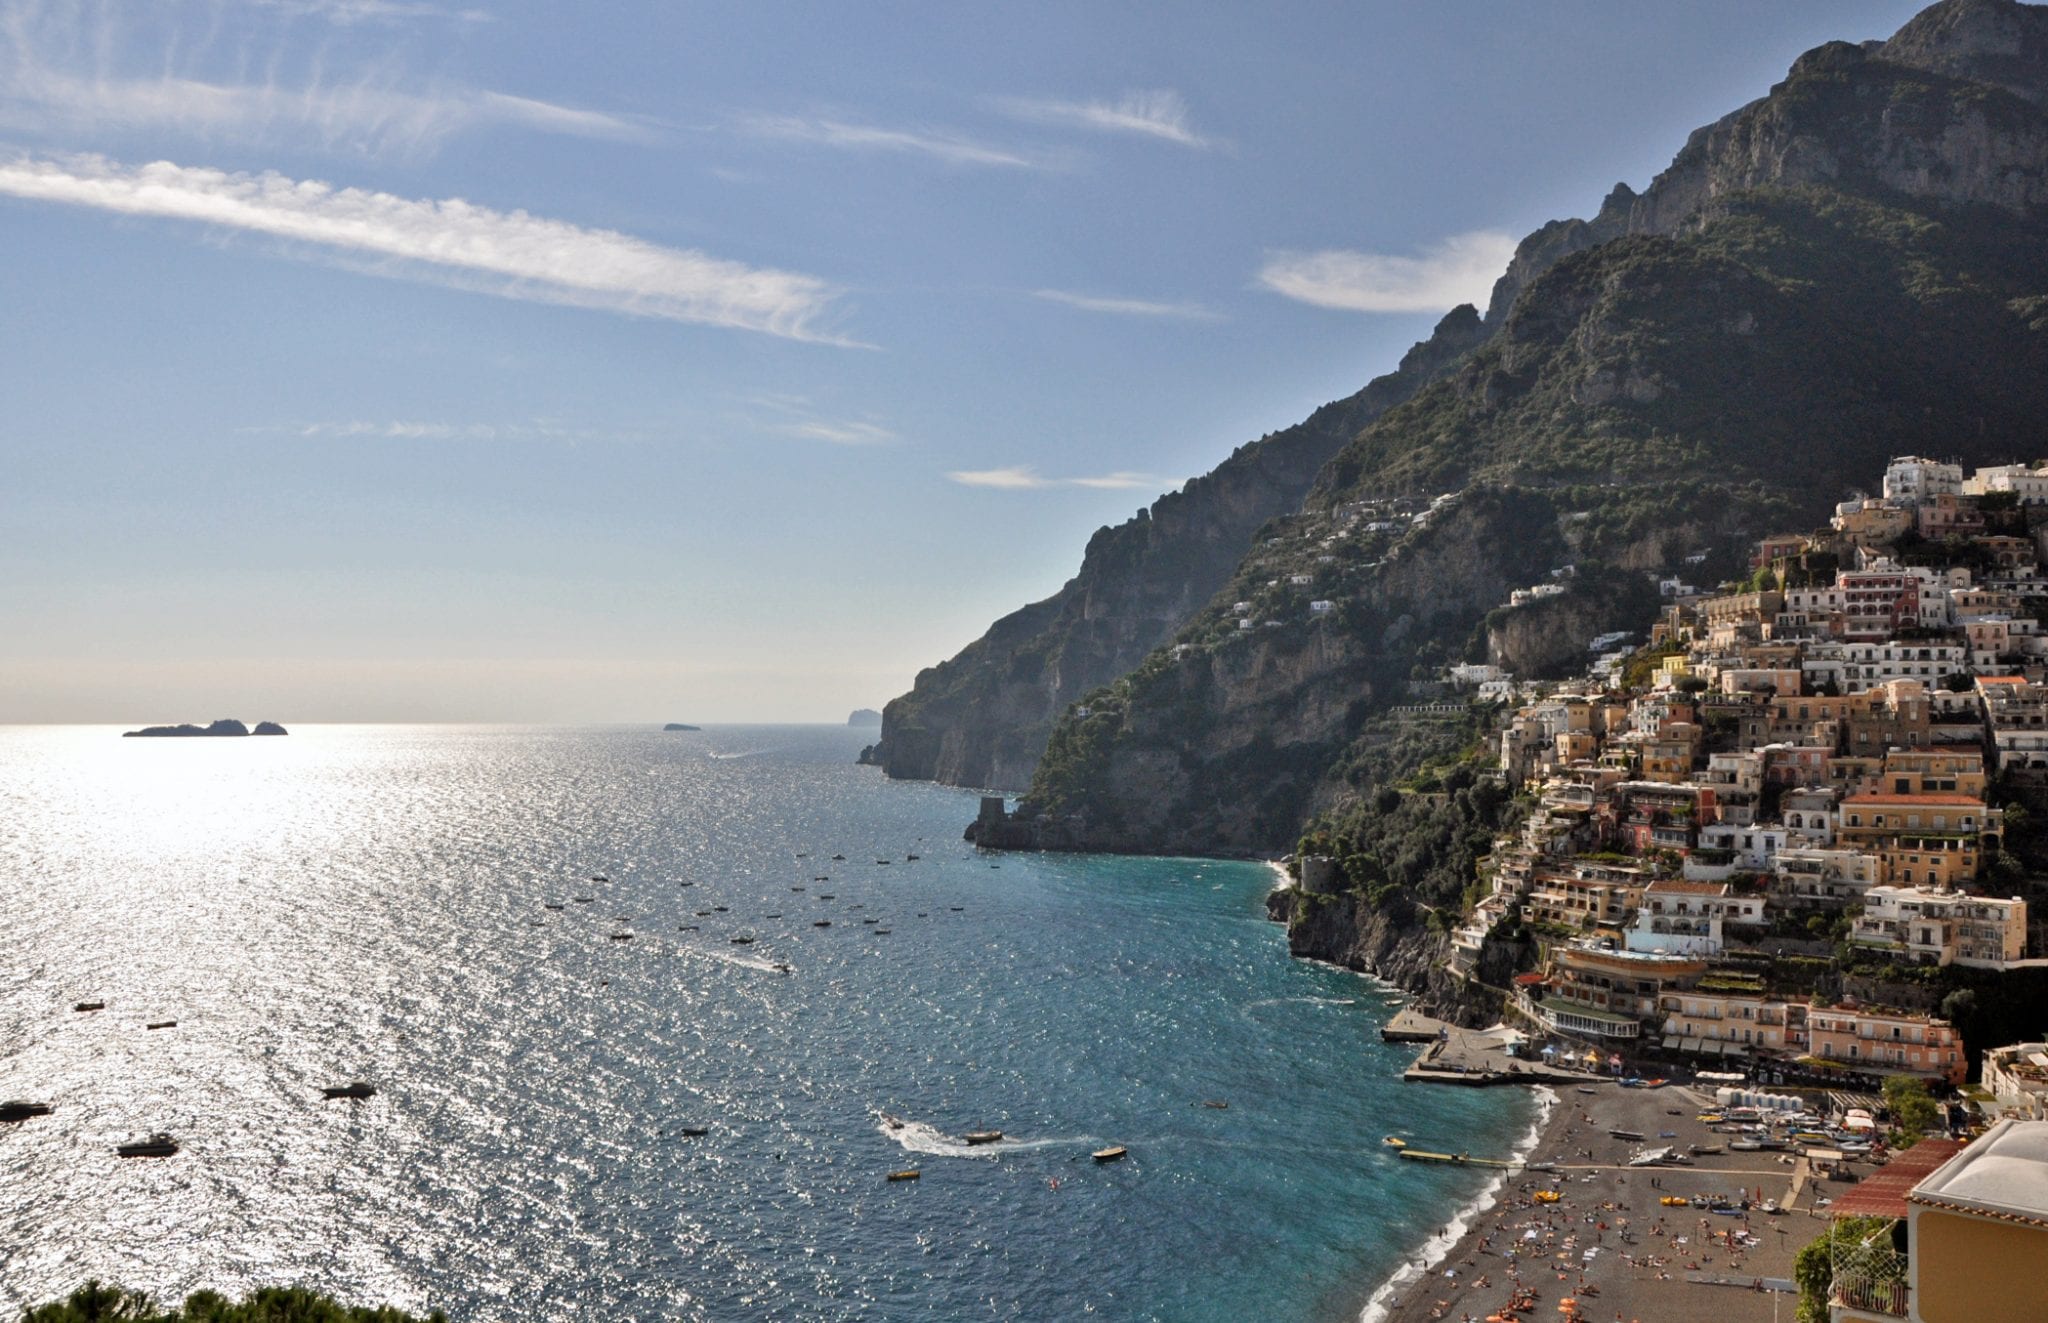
x: 1947, y: 113
x: 1854, y: 266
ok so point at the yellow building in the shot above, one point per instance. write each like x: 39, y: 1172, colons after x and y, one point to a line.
x: 1976, y: 1235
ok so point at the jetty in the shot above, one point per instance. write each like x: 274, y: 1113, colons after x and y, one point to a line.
x: 1457, y: 1159
x: 1475, y: 1058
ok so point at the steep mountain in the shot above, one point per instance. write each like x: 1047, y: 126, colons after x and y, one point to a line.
x: 1853, y: 266
x: 981, y: 719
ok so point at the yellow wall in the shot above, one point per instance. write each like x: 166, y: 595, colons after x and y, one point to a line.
x: 1973, y: 1270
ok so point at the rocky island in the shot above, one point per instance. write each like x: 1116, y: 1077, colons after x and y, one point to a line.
x: 227, y: 726
x: 865, y: 716
x: 677, y: 725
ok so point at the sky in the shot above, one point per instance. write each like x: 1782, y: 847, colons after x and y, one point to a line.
x: 398, y: 360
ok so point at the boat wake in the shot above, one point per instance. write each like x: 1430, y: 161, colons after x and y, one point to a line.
x: 716, y: 756
x: 1301, y: 1001
x: 1446, y: 1237
x: 917, y: 1137
x: 743, y: 961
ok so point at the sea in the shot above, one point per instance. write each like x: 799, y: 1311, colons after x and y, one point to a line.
x: 523, y: 937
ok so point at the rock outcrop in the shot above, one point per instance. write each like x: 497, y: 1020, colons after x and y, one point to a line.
x: 226, y: 726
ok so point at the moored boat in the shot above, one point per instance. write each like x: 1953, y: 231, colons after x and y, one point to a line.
x: 16, y: 1110
x: 1111, y: 1154
x: 158, y: 1145
x: 1394, y: 1141
x: 977, y: 1137
x: 909, y: 1175
x: 353, y: 1089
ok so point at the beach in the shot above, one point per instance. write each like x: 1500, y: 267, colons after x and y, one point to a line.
x: 1606, y: 1244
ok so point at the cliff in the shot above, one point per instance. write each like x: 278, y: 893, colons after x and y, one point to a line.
x: 982, y: 717
x: 1357, y: 933
x: 1853, y: 267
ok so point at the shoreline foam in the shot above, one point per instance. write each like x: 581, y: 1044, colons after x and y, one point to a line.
x: 1380, y: 1305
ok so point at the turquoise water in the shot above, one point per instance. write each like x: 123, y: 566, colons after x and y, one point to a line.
x: 369, y: 902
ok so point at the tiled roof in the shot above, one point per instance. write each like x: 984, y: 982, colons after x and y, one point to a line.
x: 1883, y: 1194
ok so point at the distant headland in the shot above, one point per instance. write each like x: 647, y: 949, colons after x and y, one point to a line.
x: 677, y: 725
x: 865, y: 716
x: 225, y: 726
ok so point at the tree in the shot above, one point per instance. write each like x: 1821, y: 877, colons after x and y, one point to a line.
x: 1912, y: 1108
x: 1814, y: 1268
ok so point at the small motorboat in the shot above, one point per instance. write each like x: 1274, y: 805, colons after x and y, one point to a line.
x: 912, y: 858
x: 1394, y: 1141
x: 686, y: 927
x: 892, y: 1121
x: 956, y: 908
x: 771, y: 916
x: 870, y: 920
x: 703, y: 914
x: 158, y: 1145
x: 599, y: 877
x: 581, y: 900
x: 822, y: 923
x: 89, y: 1006
x: 622, y: 937
x: 695, y: 1131
x: 721, y: 909
x: 977, y: 1137
x: 883, y: 862
x: 741, y: 939
x: 551, y: 905
x: 686, y: 884
x: 839, y: 858
x: 822, y: 877
x: 16, y: 1110
x: 794, y: 888
x: 1633, y: 1135
x: 1113, y: 1154
x: 161, y: 1024
x: 883, y: 932
x: 909, y: 1175
x: 1216, y: 1103
x: 826, y: 895
x: 783, y: 968
x: 353, y: 1089
x: 1547, y: 1196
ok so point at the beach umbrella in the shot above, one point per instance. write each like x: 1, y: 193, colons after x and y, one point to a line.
x: 1549, y: 1049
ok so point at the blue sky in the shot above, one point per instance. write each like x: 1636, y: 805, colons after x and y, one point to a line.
x: 380, y: 360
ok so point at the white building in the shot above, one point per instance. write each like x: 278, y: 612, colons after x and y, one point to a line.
x: 1943, y: 927
x: 2022, y: 480
x: 1911, y: 480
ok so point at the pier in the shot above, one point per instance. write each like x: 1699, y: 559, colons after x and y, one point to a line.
x: 1474, y: 1057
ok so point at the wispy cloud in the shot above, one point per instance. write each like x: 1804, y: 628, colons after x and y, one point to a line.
x: 953, y: 148
x: 64, y: 71
x: 790, y: 415
x: 1193, y: 312
x: 1158, y: 114
x: 349, y: 12
x: 510, y: 254
x: 416, y: 430
x: 1023, y: 478
x: 1460, y: 269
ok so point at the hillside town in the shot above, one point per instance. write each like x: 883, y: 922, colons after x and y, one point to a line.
x: 1804, y: 770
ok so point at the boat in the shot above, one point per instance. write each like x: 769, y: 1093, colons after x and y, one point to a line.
x: 882, y: 861
x: 686, y: 884
x: 1394, y: 1141
x: 16, y: 1110
x: 1675, y: 1201
x: 840, y: 857
x: 721, y: 909
x: 796, y: 888
x: 826, y: 895
x: 1546, y: 1196
x: 599, y: 877
x: 1744, y: 1146
x: 784, y: 968
x: 892, y: 1121
x: 89, y: 1006
x: 909, y: 1175
x: 581, y: 900
x: 822, y: 923
x: 956, y: 908
x: 158, y: 1145
x: 911, y: 857
x: 1585, y: 1089
x: 622, y: 937
x: 883, y: 932
x: 1216, y: 1103
x: 686, y: 927
x: 353, y: 1089
x: 1703, y: 1150
x: 975, y: 1137
x: 1112, y: 1154
x: 870, y: 920
x: 1635, y: 1135
x: 741, y: 939
x: 551, y: 905
x: 695, y: 1131
x: 161, y: 1024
